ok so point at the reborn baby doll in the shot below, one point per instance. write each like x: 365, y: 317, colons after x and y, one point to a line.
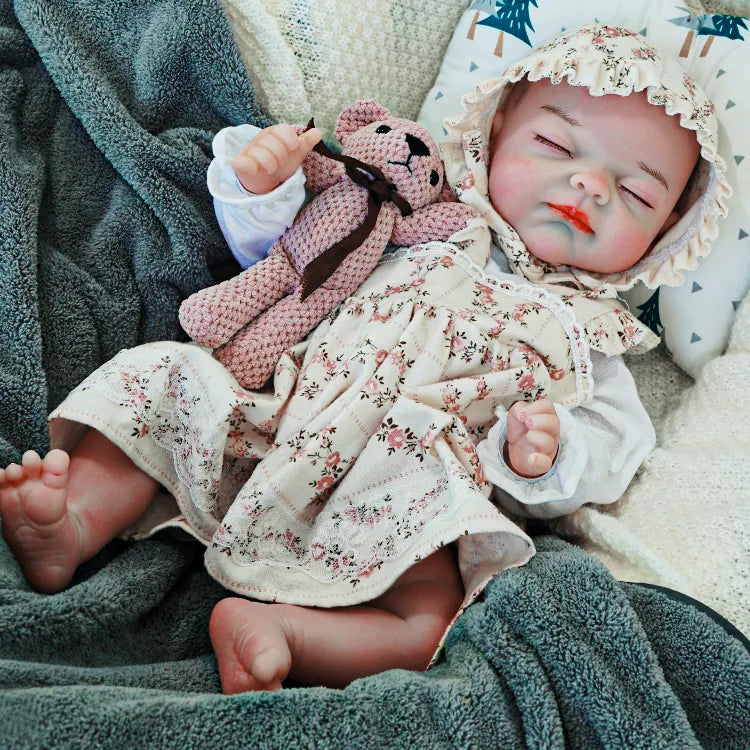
x: 334, y: 495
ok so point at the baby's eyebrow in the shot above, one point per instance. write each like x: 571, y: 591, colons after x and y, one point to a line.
x: 655, y: 173
x: 561, y: 113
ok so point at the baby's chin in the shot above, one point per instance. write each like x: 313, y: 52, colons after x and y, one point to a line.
x: 548, y: 245
x: 557, y: 247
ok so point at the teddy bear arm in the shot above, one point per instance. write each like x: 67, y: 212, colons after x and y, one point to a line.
x: 438, y: 221
x: 320, y: 172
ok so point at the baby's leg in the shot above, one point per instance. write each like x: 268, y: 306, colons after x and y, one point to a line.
x: 60, y: 510
x: 258, y: 645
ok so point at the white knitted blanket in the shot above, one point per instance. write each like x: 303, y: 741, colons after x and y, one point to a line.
x: 684, y: 522
x: 315, y: 57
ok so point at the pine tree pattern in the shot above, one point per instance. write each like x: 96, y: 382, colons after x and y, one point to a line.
x: 650, y: 313
x: 709, y: 26
x: 511, y: 16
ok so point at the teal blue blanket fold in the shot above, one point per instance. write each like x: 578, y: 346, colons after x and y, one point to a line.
x: 557, y: 655
x: 107, y: 110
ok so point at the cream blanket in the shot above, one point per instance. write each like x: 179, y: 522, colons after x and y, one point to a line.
x: 685, y: 520
x: 315, y: 57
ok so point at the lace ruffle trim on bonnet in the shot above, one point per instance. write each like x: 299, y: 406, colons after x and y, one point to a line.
x: 607, y: 60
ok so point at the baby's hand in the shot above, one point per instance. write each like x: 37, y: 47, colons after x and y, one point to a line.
x: 272, y: 156
x: 533, y: 437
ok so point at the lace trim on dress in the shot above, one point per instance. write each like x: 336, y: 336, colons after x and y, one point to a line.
x: 170, y: 422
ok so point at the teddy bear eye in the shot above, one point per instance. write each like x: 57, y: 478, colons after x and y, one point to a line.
x: 434, y: 177
x: 383, y: 129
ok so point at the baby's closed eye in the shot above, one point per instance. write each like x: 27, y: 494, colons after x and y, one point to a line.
x: 552, y: 144
x: 635, y: 196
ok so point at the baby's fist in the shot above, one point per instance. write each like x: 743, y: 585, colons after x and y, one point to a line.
x: 533, y: 435
x: 272, y: 156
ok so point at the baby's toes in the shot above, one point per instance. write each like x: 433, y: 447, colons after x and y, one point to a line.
x: 14, y: 475
x: 54, y: 469
x: 270, y: 667
x: 32, y: 464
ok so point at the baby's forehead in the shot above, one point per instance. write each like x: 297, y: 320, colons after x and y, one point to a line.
x: 635, y: 104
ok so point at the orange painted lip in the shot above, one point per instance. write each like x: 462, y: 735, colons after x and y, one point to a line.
x: 577, y: 218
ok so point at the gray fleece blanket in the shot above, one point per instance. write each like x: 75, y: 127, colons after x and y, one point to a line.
x: 106, y: 114
x: 557, y: 655
x: 107, y: 110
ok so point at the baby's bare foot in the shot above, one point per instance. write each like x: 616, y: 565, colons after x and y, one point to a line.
x: 251, y: 644
x: 36, y: 523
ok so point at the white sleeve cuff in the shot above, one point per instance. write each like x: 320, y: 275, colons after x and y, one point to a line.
x: 250, y: 223
x: 545, y: 496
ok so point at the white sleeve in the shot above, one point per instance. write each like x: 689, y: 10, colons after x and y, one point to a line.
x: 602, y: 444
x: 250, y: 223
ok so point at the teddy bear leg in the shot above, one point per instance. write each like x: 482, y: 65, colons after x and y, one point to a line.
x: 252, y: 353
x: 213, y: 315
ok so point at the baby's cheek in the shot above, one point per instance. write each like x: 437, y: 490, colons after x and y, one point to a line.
x: 509, y: 180
x: 631, y: 245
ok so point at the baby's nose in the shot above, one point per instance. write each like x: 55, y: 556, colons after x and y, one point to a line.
x: 594, y: 183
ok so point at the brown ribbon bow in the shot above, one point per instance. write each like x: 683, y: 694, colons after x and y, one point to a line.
x: 379, y: 190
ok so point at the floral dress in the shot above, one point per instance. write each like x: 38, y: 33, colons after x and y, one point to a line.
x: 361, y: 460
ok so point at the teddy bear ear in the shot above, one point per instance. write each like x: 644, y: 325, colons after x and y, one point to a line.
x: 357, y: 115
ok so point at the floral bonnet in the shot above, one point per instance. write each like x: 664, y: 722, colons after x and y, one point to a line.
x: 607, y: 60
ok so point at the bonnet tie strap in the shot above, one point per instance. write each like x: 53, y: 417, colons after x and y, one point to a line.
x: 379, y: 190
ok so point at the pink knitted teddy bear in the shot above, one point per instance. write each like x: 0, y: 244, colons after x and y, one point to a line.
x: 393, y: 167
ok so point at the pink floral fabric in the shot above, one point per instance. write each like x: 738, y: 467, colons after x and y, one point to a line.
x: 362, y: 459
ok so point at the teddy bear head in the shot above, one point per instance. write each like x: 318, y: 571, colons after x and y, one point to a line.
x: 403, y: 150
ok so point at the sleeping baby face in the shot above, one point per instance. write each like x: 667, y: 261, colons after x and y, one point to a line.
x: 587, y: 181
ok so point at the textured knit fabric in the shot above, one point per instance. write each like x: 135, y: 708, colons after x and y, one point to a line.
x: 251, y: 319
x: 315, y: 57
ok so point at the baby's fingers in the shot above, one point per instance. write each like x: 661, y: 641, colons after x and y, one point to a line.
x: 515, y: 426
x: 540, y: 406
x: 541, y: 463
x: 245, y: 165
x: 269, y: 152
x: 543, y: 441
x: 284, y: 134
x: 259, y: 162
x: 279, y: 139
x: 547, y: 423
